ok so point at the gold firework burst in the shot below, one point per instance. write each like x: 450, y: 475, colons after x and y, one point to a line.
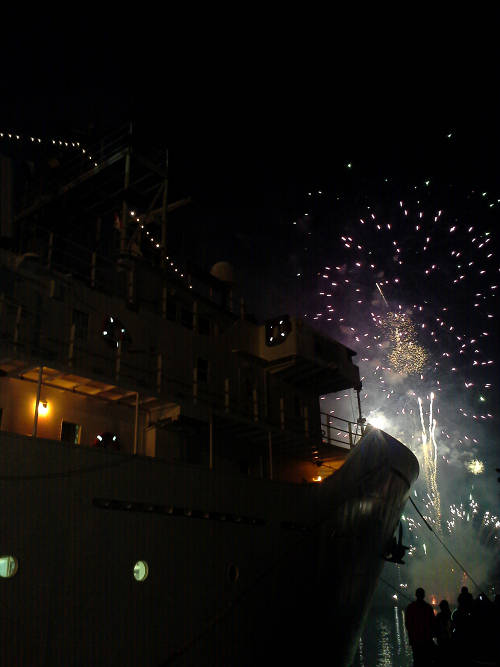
x: 406, y: 356
x: 475, y: 466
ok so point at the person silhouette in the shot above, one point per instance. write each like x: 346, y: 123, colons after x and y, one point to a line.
x: 465, y: 599
x: 443, y: 631
x: 419, y: 622
x: 462, y: 629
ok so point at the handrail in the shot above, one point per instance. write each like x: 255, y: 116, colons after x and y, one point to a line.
x: 328, y: 425
x: 133, y: 376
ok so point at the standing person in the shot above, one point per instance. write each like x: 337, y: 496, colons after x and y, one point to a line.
x: 443, y: 627
x: 465, y: 599
x: 419, y: 621
x: 462, y: 631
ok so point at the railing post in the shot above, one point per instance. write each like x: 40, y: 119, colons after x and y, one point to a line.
x: 118, y: 361
x: 195, y: 384
x: 282, y: 413
x: 136, y: 423
x: 37, y: 403
x: 131, y: 284
x: 349, y: 426
x: 361, y: 419
x: 71, y: 346
x: 270, y: 445
x: 164, y: 302
x: 50, y: 249
x: 255, y: 405
x: 211, y: 442
x: 159, y: 366
x: 125, y: 214
x: 93, y: 263
x: 226, y: 394
x: 328, y: 429
x: 16, y: 327
x: 195, y: 316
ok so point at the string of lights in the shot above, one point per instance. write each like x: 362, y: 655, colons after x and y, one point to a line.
x: 62, y: 143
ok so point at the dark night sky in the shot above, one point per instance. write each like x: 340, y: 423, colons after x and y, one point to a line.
x: 255, y: 119
x: 248, y: 147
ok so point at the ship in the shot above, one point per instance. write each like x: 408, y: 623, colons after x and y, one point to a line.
x: 172, y: 492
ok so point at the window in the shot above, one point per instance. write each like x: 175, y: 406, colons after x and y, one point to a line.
x: 202, y: 370
x: 71, y: 432
x: 141, y: 570
x: 277, y: 330
x: 204, y: 326
x: 81, y: 322
x: 8, y: 566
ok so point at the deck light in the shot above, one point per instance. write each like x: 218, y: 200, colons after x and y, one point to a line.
x: 43, y: 408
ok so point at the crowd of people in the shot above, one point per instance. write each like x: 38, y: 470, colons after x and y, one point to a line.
x: 469, y: 636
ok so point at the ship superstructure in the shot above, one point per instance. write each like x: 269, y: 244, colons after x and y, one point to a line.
x: 160, y: 448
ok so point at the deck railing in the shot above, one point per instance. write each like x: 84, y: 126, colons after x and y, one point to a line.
x: 340, y: 432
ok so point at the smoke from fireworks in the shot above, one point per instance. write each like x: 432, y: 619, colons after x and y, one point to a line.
x: 412, y: 288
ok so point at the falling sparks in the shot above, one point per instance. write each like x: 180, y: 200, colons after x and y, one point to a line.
x: 475, y: 466
x: 429, y: 449
x: 412, y: 289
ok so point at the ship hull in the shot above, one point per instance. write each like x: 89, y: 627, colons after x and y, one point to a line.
x: 240, y: 570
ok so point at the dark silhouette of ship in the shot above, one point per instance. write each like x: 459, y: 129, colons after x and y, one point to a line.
x: 171, y: 492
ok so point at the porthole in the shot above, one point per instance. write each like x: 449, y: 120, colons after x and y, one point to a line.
x: 8, y: 566
x: 141, y: 570
x: 232, y: 573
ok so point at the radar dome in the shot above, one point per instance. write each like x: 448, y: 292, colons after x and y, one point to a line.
x: 223, y: 271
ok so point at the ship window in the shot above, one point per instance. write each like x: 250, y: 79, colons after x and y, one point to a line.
x: 71, y: 432
x: 186, y: 318
x: 202, y: 370
x: 81, y: 322
x: 141, y: 570
x: 204, y: 326
x: 277, y: 330
x: 232, y: 573
x: 8, y: 566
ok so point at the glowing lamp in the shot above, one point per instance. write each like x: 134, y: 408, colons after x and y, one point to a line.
x: 43, y: 408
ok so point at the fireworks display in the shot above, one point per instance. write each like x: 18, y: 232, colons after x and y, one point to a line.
x: 476, y: 467
x: 406, y: 355
x: 410, y: 282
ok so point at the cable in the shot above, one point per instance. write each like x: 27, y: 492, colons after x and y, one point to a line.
x: 395, y: 589
x: 444, y: 545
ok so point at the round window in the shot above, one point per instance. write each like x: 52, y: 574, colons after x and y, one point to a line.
x: 8, y: 566
x: 141, y: 570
